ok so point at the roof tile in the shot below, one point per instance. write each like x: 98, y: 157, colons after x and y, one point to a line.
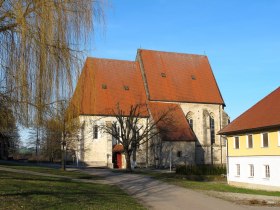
x: 264, y: 114
x: 174, y: 126
x: 124, y: 87
x: 189, y: 78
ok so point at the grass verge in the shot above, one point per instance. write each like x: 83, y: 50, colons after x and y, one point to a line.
x: 206, y: 183
x: 24, y: 191
x: 54, y: 171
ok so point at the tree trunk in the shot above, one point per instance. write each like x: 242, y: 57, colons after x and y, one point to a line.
x: 63, y: 157
x: 128, y: 162
x: 63, y: 145
x: 134, y: 158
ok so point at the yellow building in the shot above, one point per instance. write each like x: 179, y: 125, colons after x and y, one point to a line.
x: 253, y: 145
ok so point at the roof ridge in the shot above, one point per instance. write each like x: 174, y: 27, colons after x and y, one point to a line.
x: 258, y: 102
x: 245, y: 113
x: 180, y: 53
x: 108, y: 59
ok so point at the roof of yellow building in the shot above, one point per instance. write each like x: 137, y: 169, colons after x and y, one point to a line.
x: 263, y: 115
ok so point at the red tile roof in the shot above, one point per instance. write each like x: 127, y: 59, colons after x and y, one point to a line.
x: 188, y: 78
x: 175, y: 127
x: 118, y: 148
x: 104, y: 83
x: 263, y: 115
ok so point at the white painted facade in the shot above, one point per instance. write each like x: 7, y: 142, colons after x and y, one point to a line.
x: 97, y: 152
x: 259, y: 180
x: 200, y: 114
x: 94, y: 152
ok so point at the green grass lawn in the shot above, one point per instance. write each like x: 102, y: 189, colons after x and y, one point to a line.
x: 24, y: 191
x: 214, y: 183
x: 55, y: 171
x: 219, y: 186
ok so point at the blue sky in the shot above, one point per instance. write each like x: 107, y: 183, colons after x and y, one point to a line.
x: 240, y: 37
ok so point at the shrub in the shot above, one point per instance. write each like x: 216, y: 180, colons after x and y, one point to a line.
x: 201, y: 169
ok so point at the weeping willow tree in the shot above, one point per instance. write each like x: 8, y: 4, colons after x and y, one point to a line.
x: 40, y: 50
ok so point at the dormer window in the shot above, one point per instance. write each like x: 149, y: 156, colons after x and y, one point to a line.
x: 193, y: 77
x: 163, y: 75
x: 104, y: 86
x: 125, y: 87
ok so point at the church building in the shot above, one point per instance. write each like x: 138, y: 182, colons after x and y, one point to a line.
x: 160, y: 80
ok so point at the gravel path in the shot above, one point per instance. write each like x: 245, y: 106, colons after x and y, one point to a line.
x: 158, y: 195
x: 248, y: 199
x: 155, y: 194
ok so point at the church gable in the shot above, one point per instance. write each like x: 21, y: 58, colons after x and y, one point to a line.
x: 105, y: 84
x: 178, y: 77
x: 157, y: 80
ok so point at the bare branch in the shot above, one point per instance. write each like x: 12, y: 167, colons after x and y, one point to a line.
x: 133, y: 131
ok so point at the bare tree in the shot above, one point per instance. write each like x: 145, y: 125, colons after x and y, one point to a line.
x: 51, y: 140
x: 136, y: 128
x: 40, y: 49
x: 65, y: 127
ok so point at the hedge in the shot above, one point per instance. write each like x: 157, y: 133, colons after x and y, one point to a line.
x: 201, y: 169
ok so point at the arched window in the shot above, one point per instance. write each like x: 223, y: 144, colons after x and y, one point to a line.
x: 189, y: 117
x: 190, y: 120
x: 115, y: 134
x: 212, y: 129
x: 95, y: 131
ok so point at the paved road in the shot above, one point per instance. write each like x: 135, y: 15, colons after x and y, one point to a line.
x: 155, y: 194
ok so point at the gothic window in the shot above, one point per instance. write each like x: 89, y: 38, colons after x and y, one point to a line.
x: 137, y: 134
x: 190, y: 119
x: 191, y: 123
x: 212, y: 129
x: 95, y: 131
x: 115, y: 133
x: 179, y: 153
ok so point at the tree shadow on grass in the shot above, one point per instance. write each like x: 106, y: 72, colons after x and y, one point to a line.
x: 61, y: 196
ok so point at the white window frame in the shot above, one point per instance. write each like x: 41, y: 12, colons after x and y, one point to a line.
x: 247, y: 141
x: 234, y: 142
x: 266, y: 171
x: 237, y: 170
x: 279, y: 138
x: 251, y: 170
x: 267, y: 139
